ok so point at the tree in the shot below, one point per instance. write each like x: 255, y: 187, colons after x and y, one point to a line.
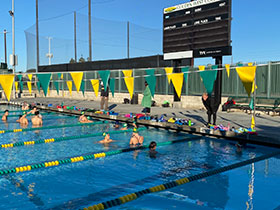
x: 72, y: 60
x: 82, y: 60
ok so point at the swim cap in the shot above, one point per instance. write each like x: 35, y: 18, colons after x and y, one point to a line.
x: 135, y: 130
x: 88, y: 117
x: 105, y: 134
x: 24, y: 113
x: 125, y: 125
x: 82, y: 112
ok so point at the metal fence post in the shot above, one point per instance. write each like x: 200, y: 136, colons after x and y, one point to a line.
x: 269, y: 80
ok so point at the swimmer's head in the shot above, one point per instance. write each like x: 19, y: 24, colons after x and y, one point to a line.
x: 125, y: 125
x: 88, y: 117
x: 152, y: 145
x: 24, y: 113
x: 37, y: 113
x: 82, y: 113
x: 135, y: 130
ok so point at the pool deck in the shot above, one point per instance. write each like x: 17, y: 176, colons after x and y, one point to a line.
x: 267, y: 126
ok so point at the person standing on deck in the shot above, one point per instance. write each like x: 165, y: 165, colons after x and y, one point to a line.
x: 211, y: 106
x: 104, y: 97
x: 147, y: 99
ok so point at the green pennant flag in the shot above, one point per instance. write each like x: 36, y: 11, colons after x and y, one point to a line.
x: 105, y: 75
x: 19, y: 77
x: 185, y: 71
x: 208, y: 78
x: 21, y: 85
x: 56, y: 85
x: 82, y: 88
x: 150, y: 72
x: 58, y: 76
x: 112, y: 86
x: 151, y: 80
x: 44, y: 81
x: 251, y: 104
x: 38, y: 86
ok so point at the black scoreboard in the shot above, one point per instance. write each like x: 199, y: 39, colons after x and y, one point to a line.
x: 200, y: 28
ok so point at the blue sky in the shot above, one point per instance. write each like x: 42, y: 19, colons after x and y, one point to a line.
x: 255, y: 25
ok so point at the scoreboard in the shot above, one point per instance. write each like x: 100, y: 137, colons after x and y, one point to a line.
x: 200, y: 28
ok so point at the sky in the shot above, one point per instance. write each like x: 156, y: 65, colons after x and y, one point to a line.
x: 255, y: 26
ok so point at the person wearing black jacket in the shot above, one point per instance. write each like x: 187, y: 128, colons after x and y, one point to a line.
x: 104, y: 97
x: 211, y: 106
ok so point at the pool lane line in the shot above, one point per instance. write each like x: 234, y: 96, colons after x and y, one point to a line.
x: 50, y: 127
x: 43, y: 114
x: 52, y: 140
x: 175, y: 183
x: 80, y: 158
x: 15, y: 111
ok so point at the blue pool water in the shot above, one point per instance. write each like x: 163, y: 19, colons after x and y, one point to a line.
x: 82, y: 184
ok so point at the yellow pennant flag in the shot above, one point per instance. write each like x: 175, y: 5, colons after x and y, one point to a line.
x: 29, y: 85
x: 201, y: 68
x: 253, y: 124
x: 61, y: 77
x: 247, y: 76
x: 77, y: 78
x: 69, y: 85
x: 228, y: 69
x: 129, y: 81
x: 177, y: 80
x: 6, y: 81
x: 95, y: 86
x: 49, y: 91
x: 250, y: 64
x: 127, y: 73
x: 168, y: 72
x: 29, y: 76
x: 16, y: 86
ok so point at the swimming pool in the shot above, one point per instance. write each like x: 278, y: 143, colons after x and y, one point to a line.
x: 81, y: 184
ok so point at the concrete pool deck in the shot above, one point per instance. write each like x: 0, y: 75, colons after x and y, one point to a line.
x: 267, y: 126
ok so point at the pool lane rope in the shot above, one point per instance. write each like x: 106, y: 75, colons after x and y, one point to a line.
x: 17, y: 115
x: 15, y: 111
x: 51, y: 127
x: 80, y: 158
x: 175, y: 183
x: 66, y: 138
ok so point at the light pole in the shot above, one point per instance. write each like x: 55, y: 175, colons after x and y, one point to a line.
x: 14, y: 60
x: 49, y: 55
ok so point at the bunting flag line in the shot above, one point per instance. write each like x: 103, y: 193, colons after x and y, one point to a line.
x: 112, y: 86
x: 228, y: 69
x: 201, y: 68
x: 29, y: 85
x: 6, y: 81
x: 104, y: 75
x: 150, y: 72
x: 129, y: 81
x: 16, y: 86
x: 29, y: 77
x: 38, y: 86
x: 253, y: 123
x: 247, y: 76
x: 44, y: 80
x: 77, y: 78
x: 83, y: 87
x: 168, y: 72
x: 69, y: 85
x: 208, y: 78
x: 95, y: 86
x: 177, y: 81
x: 127, y: 73
x: 185, y: 70
x: 56, y: 85
x: 59, y: 76
x: 19, y: 77
x: 151, y: 80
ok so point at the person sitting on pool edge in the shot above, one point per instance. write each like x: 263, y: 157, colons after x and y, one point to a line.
x: 5, y: 116
x: 36, y: 120
x: 84, y: 119
x: 136, y: 139
x: 152, y: 151
x: 106, y: 139
x: 22, y: 119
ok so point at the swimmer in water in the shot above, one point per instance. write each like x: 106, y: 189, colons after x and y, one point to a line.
x: 36, y: 120
x: 5, y: 116
x: 22, y: 119
x: 136, y: 139
x: 84, y: 119
x: 124, y: 127
x: 152, y: 151
x: 106, y: 139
